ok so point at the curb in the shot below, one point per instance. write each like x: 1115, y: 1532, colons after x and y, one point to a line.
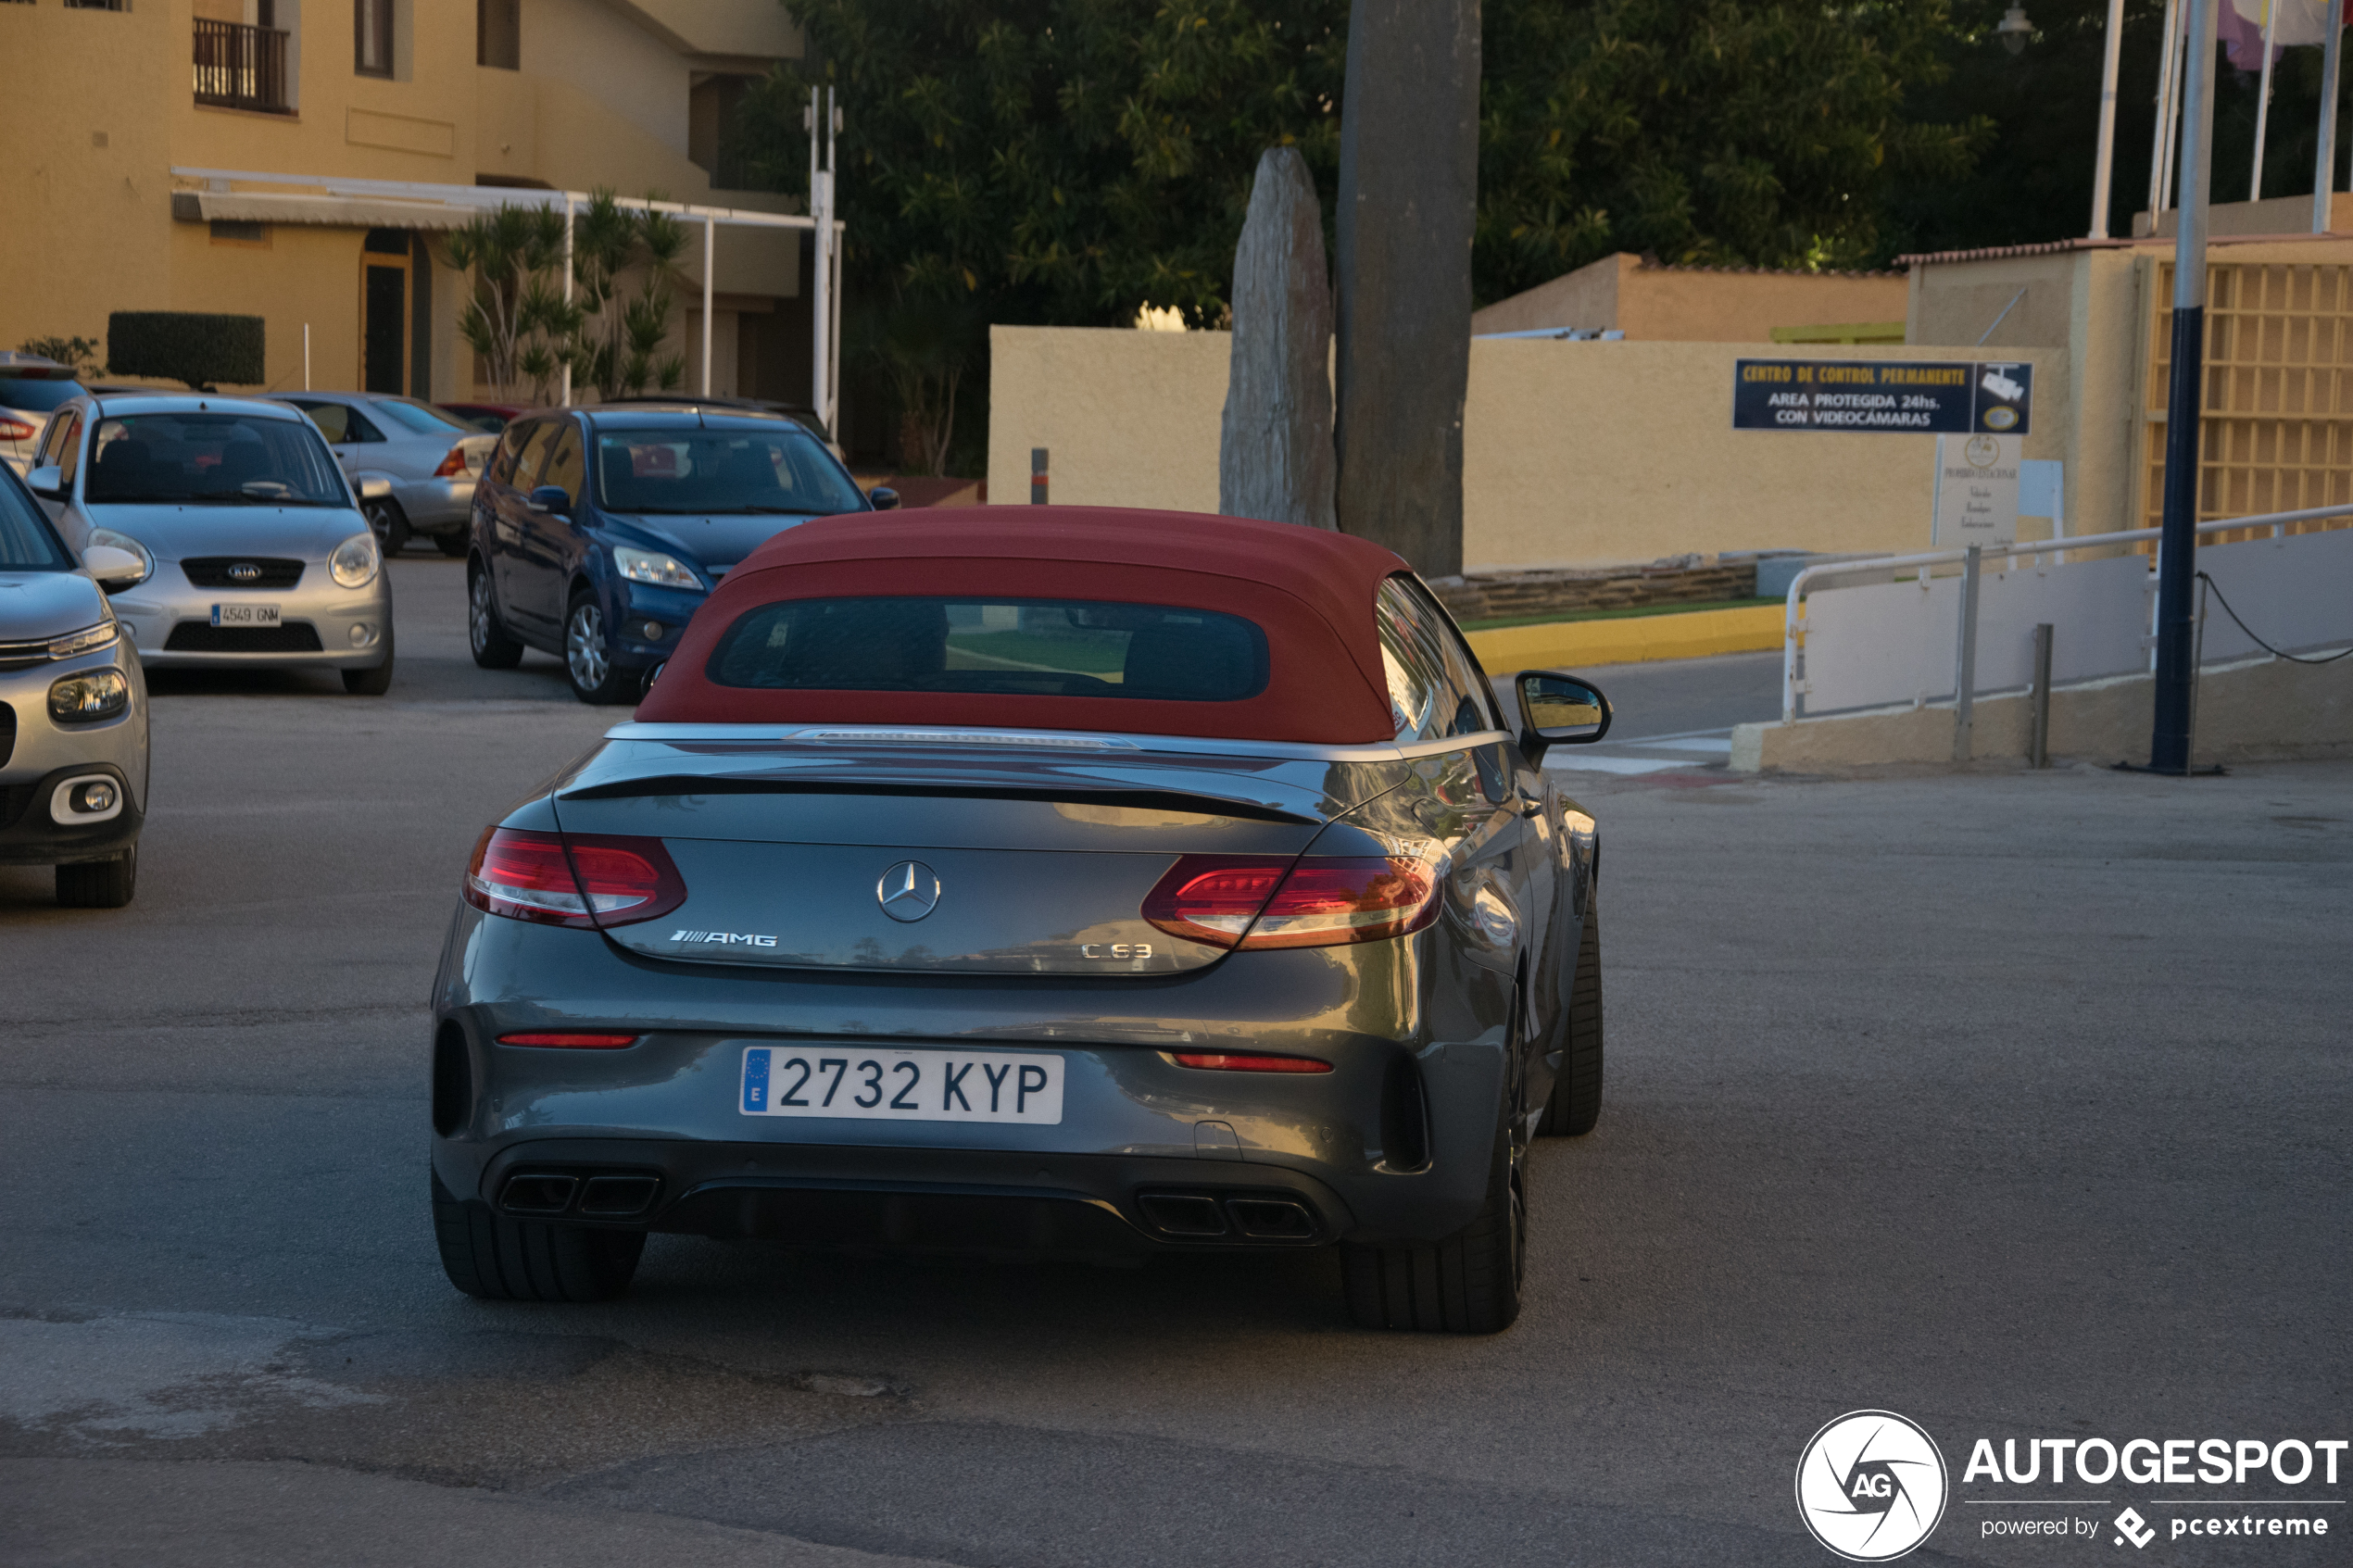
x: 1633, y: 639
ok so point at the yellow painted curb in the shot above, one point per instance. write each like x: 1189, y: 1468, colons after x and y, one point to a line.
x: 1576, y: 644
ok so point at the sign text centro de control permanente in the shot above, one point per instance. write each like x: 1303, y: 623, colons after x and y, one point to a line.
x: 1913, y: 396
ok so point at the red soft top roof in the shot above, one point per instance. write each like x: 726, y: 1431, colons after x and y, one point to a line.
x: 1311, y: 591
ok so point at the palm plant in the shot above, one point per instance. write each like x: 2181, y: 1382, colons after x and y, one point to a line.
x: 516, y: 319
x: 618, y: 346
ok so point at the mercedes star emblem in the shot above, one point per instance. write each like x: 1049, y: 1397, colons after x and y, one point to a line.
x: 907, y: 891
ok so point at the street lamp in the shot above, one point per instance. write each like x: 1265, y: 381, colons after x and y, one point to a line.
x: 2012, y: 30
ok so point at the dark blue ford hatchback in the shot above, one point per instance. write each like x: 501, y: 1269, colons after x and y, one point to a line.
x: 598, y: 532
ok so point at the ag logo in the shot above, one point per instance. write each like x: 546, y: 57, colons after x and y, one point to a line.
x: 1870, y: 1486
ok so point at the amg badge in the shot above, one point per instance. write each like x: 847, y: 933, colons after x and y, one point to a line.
x: 724, y: 938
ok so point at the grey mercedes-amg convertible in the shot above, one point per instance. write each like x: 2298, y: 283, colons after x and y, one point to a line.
x: 1046, y: 881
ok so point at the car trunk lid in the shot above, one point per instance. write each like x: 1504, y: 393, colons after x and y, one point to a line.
x: 808, y: 858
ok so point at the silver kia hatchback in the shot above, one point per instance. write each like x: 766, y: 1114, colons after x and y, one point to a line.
x: 73, y: 712
x: 250, y: 541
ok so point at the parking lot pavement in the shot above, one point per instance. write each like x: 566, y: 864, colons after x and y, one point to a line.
x: 2012, y: 1102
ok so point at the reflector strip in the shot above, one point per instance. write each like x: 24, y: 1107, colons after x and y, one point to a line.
x: 572, y: 1041
x: 1226, y: 1061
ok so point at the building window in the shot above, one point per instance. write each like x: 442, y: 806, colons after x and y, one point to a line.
x: 97, y: 4
x: 499, y: 33
x: 232, y: 231
x: 371, y: 22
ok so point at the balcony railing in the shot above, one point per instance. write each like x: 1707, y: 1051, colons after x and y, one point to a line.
x: 241, y: 67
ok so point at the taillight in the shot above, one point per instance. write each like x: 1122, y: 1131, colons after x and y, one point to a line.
x: 1228, y: 1061
x: 1246, y: 902
x: 578, y: 880
x: 570, y: 1040
x: 17, y: 430
x: 454, y: 465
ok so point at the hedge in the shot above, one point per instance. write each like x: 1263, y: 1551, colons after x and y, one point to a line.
x: 185, y: 345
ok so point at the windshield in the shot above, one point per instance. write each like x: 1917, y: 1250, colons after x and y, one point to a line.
x: 777, y: 470
x: 37, y: 395
x: 1017, y: 647
x: 417, y: 419
x: 213, y: 458
x: 26, y: 542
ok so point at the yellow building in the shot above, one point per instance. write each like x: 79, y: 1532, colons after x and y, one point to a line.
x: 200, y: 154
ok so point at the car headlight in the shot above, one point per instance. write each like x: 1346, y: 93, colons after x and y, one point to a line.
x: 645, y: 565
x: 89, y: 638
x: 355, y: 561
x: 124, y: 542
x: 89, y: 697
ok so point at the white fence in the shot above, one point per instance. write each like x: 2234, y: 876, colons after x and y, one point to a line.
x: 1858, y: 636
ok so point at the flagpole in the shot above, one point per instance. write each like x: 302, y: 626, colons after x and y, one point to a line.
x: 2103, y: 166
x: 2263, y: 101
x: 2324, y: 169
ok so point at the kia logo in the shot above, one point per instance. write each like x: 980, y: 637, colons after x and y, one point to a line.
x: 245, y: 571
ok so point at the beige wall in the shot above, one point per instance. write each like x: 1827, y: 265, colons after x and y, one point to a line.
x: 1653, y: 304
x: 90, y: 230
x: 1574, y: 452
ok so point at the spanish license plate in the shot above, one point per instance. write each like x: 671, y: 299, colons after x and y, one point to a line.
x: 890, y: 1085
x: 245, y: 615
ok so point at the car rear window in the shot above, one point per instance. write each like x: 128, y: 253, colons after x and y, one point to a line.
x: 1014, y: 648
x: 37, y: 395
x: 417, y: 419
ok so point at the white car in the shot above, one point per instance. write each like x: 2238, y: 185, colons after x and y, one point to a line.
x: 251, y: 543
x: 429, y: 458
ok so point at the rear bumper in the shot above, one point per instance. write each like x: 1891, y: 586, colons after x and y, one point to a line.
x: 435, y: 506
x: 945, y: 1201
x: 1393, y: 1144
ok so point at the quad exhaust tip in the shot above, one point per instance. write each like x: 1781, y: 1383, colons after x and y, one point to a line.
x: 608, y: 1195
x: 1205, y: 1216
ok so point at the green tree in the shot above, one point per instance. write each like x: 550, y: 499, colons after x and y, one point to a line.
x: 516, y: 316
x: 78, y: 354
x: 622, y: 330
x: 1725, y: 132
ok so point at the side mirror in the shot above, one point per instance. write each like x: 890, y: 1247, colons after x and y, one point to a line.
x: 652, y: 675
x: 376, y: 490
x: 115, y: 569
x: 1557, y: 709
x: 883, y: 497
x: 550, y: 498
x: 48, y: 481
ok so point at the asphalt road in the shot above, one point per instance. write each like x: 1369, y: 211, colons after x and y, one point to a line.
x: 2012, y: 1103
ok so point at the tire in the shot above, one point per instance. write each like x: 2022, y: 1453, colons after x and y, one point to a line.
x: 588, y: 665
x: 496, y: 1259
x: 493, y: 648
x: 1576, y: 1104
x: 99, y: 884
x: 391, y: 525
x: 454, y: 544
x: 1466, y: 1284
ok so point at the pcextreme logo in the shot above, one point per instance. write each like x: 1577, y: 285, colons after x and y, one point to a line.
x: 1870, y: 1486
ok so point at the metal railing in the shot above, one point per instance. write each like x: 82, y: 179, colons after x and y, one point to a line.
x: 240, y: 67
x: 1970, y: 559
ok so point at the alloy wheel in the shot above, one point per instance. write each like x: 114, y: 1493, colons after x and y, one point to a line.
x: 584, y: 647
x: 478, y: 613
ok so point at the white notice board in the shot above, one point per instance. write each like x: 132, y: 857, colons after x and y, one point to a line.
x: 1976, y: 491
